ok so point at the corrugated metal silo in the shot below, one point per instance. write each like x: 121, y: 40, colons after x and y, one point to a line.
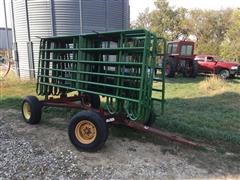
x: 42, y: 18
x: 4, y: 42
x: 66, y: 17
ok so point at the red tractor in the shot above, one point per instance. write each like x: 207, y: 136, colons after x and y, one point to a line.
x: 181, y: 59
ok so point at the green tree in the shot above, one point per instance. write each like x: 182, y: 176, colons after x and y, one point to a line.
x: 230, y: 47
x: 209, y: 27
x: 143, y: 20
x: 216, y: 32
x: 167, y: 21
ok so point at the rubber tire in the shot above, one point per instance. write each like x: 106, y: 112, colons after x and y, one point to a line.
x: 232, y: 76
x: 194, y: 70
x: 94, y: 100
x: 187, y: 69
x: 35, y: 108
x: 221, y: 71
x: 101, y: 126
x: 172, y: 64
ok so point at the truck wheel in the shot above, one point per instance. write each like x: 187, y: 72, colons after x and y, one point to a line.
x: 92, y: 100
x: 87, y: 131
x: 224, y: 73
x: 31, y: 110
x: 170, y: 68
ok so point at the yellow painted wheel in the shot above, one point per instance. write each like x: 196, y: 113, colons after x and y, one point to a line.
x: 27, y: 110
x: 88, y: 131
x: 31, y: 110
x: 85, y: 132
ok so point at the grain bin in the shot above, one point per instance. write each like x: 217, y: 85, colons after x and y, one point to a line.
x: 5, y: 44
x: 33, y: 19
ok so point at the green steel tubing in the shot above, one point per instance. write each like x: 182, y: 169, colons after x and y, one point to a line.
x: 93, y: 92
x: 163, y: 72
x: 119, y: 65
x: 93, y: 83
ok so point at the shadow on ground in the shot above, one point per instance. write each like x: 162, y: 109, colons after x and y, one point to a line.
x: 214, y: 120
x: 184, y: 80
x: 179, y: 79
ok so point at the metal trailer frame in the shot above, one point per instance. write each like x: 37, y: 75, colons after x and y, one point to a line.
x: 120, y: 65
x: 69, y: 102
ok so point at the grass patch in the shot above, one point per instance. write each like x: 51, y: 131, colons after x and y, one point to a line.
x: 201, y: 108
x: 12, y: 90
x: 10, y: 102
x: 14, y: 87
x: 214, y: 84
x: 206, y: 109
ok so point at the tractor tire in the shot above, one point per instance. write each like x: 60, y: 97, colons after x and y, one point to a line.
x: 170, y: 68
x: 88, y: 131
x: 224, y: 73
x: 93, y: 100
x: 194, y: 69
x: 31, y: 110
x: 190, y: 69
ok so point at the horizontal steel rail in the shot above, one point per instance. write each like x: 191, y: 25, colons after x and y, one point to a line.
x: 119, y: 65
x: 89, y: 91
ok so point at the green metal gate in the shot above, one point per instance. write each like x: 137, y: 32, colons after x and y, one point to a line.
x: 122, y: 66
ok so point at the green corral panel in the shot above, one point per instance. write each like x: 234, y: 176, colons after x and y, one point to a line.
x: 121, y: 66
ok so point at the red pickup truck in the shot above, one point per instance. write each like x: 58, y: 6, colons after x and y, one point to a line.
x: 214, y: 65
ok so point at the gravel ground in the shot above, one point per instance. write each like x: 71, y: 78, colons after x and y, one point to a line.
x: 43, y: 151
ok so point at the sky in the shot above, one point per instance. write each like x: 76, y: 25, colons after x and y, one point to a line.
x: 2, y: 18
x: 138, y: 6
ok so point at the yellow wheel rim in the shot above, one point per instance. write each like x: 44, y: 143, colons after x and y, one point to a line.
x: 26, y: 110
x: 85, y: 132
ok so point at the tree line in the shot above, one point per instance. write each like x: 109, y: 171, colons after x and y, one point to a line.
x: 216, y: 32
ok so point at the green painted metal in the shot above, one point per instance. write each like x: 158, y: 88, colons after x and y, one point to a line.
x: 127, y: 67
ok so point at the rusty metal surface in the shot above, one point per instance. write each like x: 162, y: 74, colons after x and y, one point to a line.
x: 70, y: 102
x: 157, y: 132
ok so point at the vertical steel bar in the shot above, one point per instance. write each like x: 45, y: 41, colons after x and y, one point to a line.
x: 163, y: 73
x: 121, y: 73
x: 52, y: 17
x: 15, y: 46
x: 6, y: 28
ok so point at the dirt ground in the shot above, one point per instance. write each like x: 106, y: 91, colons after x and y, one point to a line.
x: 44, y: 151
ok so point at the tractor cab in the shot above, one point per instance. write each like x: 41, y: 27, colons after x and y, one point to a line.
x: 180, y: 59
x: 180, y: 48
